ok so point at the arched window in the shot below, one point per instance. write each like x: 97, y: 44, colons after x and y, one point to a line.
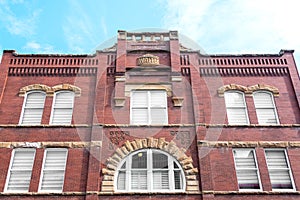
x: 236, y: 107
x: 149, y: 170
x: 62, y: 108
x: 33, y: 108
x: 265, y: 107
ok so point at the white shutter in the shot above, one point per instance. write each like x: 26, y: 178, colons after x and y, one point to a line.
x: 158, y: 107
x: 139, y: 180
x: 63, y: 108
x: 161, y: 179
x: 279, y: 171
x: 33, y: 108
x: 139, y: 99
x: 265, y: 108
x: 139, y: 116
x: 53, y: 170
x: 236, y: 108
x: 122, y: 180
x: 246, y: 169
x: 19, y: 176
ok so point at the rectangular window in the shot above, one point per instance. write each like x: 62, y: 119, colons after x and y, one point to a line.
x: 53, y: 172
x: 236, y: 107
x: 20, y: 169
x: 149, y: 107
x: 279, y: 169
x: 246, y: 169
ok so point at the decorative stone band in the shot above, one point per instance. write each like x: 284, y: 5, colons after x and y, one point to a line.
x: 50, y: 144
x: 248, y: 90
x: 246, y: 144
x: 50, y: 90
x: 192, y: 184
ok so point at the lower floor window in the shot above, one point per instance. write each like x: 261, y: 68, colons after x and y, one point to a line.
x: 149, y: 170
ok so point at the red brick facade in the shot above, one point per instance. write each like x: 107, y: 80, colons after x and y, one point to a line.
x: 197, y: 134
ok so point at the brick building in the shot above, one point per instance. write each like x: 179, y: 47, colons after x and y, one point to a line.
x: 149, y: 118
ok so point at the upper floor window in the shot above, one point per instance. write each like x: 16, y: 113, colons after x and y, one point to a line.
x: 265, y: 108
x: 246, y: 169
x: 279, y: 169
x: 53, y: 171
x: 62, y: 108
x: 149, y: 170
x: 236, y: 107
x: 149, y: 107
x: 20, y: 170
x: 33, y: 108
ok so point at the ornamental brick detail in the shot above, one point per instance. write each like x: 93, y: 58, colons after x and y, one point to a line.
x: 50, y: 90
x: 248, y: 90
x: 192, y: 184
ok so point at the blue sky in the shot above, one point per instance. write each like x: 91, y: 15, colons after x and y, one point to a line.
x: 217, y: 26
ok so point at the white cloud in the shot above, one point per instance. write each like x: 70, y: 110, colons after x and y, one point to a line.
x: 35, y: 47
x: 18, y: 25
x: 235, y: 26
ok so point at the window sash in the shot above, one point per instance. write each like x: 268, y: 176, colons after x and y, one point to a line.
x: 279, y: 169
x: 149, y: 107
x: 149, y: 179
x: 62, y: 108
x: 265, y: 108
x: 53, y: 171
x: 33, y: 107
x: 246, y: 169
x: 20, y: 170
x: 236, y: 108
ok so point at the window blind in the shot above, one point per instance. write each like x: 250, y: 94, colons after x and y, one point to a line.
x: 62, y: 110
x: 236, y: 108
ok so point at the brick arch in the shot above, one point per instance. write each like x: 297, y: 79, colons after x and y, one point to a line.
x: 269, y: 88
x: 66, y: 86
x: 28, y: 88
x: 190, y: 172
x: 233, y: 86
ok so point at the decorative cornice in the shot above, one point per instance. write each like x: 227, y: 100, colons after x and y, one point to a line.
x: 148, y: 60
x: 243, y: 71
x: 186, y: 162
x: 248, y: 90
x: 52, y: 71
x: 249, y: 144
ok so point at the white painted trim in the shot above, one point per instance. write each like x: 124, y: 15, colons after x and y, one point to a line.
x: 24, y: 103
x: 10, y: 165
x: 150, y: 170
x: 43, y: 165
x: 289, y: 169
x: 273, y: 106
x: 257, y: 168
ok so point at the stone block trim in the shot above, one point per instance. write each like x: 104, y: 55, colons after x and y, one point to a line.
x: 192, y: 184
x: 248, y: 90
x: 49, y: 90
x: 249, y: 144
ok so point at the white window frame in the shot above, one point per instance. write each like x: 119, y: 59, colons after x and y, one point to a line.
x: 236, y: 107
x: 24, y: 107
x: 10, y: 169
x: 43, y: 169
x: 256, y: 169
x: 273, y: 107
x: 150, y: 170
x: 148, y: 107
x: 280, y: 169
x: 53, y: 107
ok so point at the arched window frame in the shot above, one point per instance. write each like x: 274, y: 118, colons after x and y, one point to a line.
x: 150, y: 169
x: 54, y: 106
x: 25, y: 107
x: 269, y: 107
x: 244, y: 107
